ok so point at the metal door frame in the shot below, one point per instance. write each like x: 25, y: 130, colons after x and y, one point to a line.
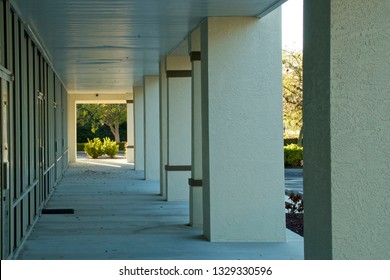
x: 41, y: 142
x: 5, y: 210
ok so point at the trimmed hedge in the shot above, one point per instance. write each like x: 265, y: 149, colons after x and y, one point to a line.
x: 80, y: 147
x: 122, y: 146
x: 293, y: 155
x: 288, y: 141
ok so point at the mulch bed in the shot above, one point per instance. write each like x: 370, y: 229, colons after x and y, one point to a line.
x: 294, y: 222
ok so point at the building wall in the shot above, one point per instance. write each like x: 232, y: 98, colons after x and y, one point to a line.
x: 347, y: 129
x: 34, y: 130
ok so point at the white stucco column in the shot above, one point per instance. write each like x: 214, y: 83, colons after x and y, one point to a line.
x: 178, y: 168
x: 243, y: 173
x: 139, y: 148
x: 195, y: 182
x: 130, y: 132
x: 151, y: 128
x: 347, y: 129
x: 163, y: 128
x: 72, y: 129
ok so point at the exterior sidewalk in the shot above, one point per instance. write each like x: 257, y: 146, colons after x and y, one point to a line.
x: 118, y: 215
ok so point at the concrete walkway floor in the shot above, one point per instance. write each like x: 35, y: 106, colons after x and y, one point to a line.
x: 293, y: 178
x: 117, y: 215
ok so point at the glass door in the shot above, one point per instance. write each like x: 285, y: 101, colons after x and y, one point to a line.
x: 4, y: 173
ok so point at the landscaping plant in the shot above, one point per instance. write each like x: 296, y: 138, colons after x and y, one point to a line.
x: 293, y: 155
x: 94, y: 148
x: 296, y: 204
x: 110, y: 147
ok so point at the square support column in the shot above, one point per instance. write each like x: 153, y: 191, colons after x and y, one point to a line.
x: 130, y: 132
x: 72, y: 129
x: 139, y: 148
x: 151, y: 127
x: 243, y: 173
x: 178, y: 168
x: 347, y: 129
x: 195, y: 182
x: 163, y: 128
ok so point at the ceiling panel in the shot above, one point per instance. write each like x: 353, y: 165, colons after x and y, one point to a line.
x: 101, y: 46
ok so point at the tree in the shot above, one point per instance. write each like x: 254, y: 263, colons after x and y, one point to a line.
x: 98, y: 115
x: 293, y: 91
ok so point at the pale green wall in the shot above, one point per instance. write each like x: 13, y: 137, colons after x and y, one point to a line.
x: 347, y: 129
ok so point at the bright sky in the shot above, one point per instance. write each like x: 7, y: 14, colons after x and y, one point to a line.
x: 292, y: 25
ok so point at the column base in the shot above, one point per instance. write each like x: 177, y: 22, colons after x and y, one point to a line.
x: 196, y: 206
x: 130, y: 155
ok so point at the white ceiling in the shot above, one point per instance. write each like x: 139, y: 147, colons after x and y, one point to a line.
x: 106, y: 46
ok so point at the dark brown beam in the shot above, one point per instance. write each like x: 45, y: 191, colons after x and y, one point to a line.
x: 179, y: 73
x: 178, y: 167
x: 195, y: 183
x: 195, y: 56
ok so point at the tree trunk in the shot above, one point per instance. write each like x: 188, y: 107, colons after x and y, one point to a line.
x: 300, y: 138
x: 115, y: 131
x: 116, y: 135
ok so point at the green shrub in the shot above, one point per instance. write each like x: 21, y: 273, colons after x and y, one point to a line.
x: 122, y: 146
x: 293, y: 155
x: 110, y: 148
x: 94, y: 148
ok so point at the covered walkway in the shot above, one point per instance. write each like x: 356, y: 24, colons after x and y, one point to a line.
x: 203, y: 83
x: 118, y: 215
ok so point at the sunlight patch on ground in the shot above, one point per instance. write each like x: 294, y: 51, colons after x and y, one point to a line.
x: 119, y: 162
x: 102, y: 164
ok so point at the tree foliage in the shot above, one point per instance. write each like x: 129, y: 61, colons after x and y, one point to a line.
x: 97, y: 115
x: 292, y: 90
